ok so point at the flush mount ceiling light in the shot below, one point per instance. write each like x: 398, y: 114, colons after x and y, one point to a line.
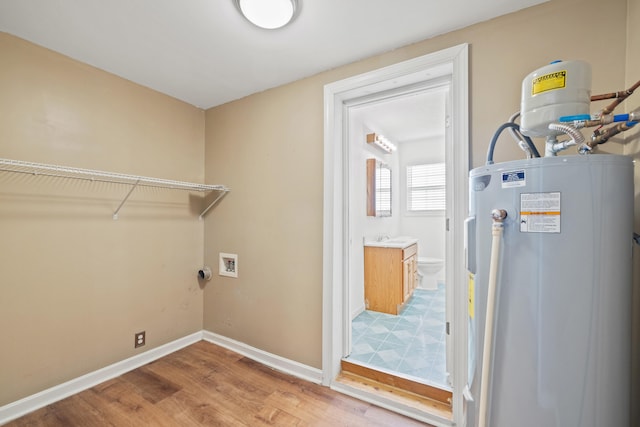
x: 268, y: 14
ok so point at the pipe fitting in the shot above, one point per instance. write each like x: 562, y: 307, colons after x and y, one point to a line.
x: 498, y: 215
x: 205, y: 273
x: 585, y: 149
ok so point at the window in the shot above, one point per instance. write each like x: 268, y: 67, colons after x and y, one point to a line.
x: 426, y: 187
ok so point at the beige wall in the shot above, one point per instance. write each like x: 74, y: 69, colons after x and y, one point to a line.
x: 75, y: 285
x: 269, y: 148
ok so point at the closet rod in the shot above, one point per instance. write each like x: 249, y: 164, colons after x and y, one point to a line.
x: 19, y: 166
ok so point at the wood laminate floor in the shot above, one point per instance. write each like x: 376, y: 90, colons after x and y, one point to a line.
x: 207, y: 385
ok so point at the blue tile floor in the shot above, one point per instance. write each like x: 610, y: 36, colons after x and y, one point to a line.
x: 411, y: 344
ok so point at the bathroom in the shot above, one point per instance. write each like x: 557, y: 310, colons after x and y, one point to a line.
x: 415, y: 123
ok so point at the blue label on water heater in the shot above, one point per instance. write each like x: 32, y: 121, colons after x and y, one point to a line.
x: 513, y: 179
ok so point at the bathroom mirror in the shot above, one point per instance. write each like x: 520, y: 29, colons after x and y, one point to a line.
x: 378, y: 188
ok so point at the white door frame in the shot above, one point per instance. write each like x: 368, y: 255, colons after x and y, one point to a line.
x: 452, y: 62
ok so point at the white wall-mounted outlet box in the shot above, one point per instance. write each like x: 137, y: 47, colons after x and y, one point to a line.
x: 228, y: 265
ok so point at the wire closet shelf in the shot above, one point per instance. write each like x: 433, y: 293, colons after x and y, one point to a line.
x: 41, y: 169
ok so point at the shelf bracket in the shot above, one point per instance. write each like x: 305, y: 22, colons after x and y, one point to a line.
x: 216, y: 200
x: 115, y: 214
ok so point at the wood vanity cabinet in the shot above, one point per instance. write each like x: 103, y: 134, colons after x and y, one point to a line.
x: 390, y: 276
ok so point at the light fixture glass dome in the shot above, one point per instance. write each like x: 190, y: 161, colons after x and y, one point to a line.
x: 269, y: 14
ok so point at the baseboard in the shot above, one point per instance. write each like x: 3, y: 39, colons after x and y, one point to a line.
x: 274, y: 361
x: 39, y: 400
x: 355, y: 313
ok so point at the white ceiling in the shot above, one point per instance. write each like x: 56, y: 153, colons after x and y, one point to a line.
x: 406, y: 118
x: 204, y: 53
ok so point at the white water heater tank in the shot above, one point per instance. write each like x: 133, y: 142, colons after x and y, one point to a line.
x: 562, y: 88
x: 561, y: 351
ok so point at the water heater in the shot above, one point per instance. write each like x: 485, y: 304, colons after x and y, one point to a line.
x: 562, y: 320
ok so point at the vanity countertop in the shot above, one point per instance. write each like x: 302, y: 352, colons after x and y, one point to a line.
x: 399, y: 242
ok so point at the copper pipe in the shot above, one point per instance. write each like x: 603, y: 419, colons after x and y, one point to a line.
x: 606, y: 96
x: 620, y: 96
x: 600, y: 137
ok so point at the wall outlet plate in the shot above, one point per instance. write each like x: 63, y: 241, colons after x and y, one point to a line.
x: 228, y: 265
x: 139, y: 339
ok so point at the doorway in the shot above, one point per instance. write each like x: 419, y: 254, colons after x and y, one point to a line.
x: 409, y: 343
x: 416, y: 74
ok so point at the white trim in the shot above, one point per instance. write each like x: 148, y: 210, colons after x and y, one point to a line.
x: 392, y: 405
x: 451, y: 62
x: 39, y: 400
x: 456, y: 297
x: 274, y: 361
x: 358, y: 310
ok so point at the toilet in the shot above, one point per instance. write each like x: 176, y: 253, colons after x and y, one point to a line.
x: 428, y: 269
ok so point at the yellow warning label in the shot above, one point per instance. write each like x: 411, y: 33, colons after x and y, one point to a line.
x: 471, y: 293
x: 540, y: 213
x: 549, y: 81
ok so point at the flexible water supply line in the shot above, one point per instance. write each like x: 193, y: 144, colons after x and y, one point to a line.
x: 515, y: 134
x: 553, y: 147
x: 497, y: 228
x: 492, y: 144
x: 518, y: 137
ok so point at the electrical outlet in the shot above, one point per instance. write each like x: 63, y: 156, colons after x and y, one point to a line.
x: 139, y: 339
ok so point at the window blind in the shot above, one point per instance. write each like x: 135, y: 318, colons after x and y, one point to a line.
x: 426, y: 187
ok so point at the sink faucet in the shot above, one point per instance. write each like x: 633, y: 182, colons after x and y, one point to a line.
x: 382, y: 237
